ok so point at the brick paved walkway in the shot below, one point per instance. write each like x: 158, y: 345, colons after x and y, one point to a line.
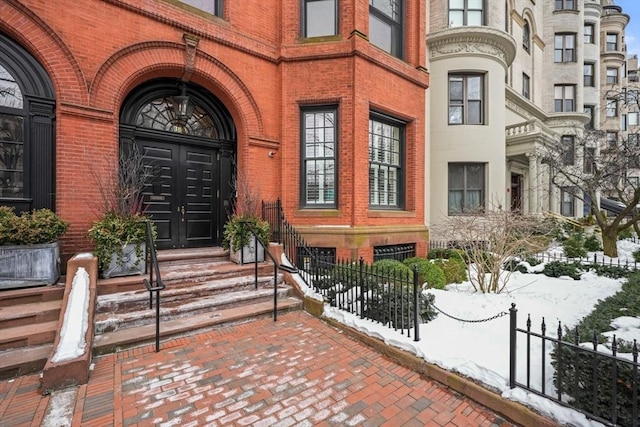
x: 298, y: 371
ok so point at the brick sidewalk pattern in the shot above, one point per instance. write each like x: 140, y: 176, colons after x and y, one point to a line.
x: 295, y: 372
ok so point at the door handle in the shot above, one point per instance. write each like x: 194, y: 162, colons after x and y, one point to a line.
x: 181, y: 210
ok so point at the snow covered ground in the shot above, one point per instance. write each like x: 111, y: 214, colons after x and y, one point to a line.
x: 481, y: 350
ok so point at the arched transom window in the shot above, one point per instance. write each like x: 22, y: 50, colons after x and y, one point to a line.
x: 173, y: 114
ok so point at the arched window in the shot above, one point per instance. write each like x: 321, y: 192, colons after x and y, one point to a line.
x: 11, y: 137
x: 27, y: 121
x: 526, y: 37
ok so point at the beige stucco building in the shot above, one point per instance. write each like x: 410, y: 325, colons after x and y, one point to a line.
x: 509, y: 80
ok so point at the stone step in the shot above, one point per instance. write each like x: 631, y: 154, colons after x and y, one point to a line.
x: 13, y: 297
x: 170, y: 257
x: 23, y: 361
x: 28, y: 335
x: 145, y: 334
x: 187, y: 272
x: 110, y: 303
x: 184, y: 308
x: 29, y: 313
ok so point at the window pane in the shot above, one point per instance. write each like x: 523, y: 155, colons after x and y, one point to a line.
x: 388, y: 7
x: 321, y: 18
x: 456, y: 18
x: 474, y: 4
x: 208, y: 6
x: 474, y: 87
x: 11, y: 156
x: 568, y: 105
x: 557, y: 105
x: 10, y: 94
x: 455, y: 89
x: 474, y: 18
x: 380, y: 33
x: 456, y: 4
x: 633, y: 119
x: 455, y: 115
x: 475, y: 113
x: 456, y: 176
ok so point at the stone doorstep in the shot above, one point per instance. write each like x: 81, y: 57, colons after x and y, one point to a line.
x: 142, y: 335
x: 108, y: 322
x: 177, y: 291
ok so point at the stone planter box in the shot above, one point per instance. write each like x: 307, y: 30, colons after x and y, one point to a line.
x: 129, y: 264
x: 29, y: 265
x: 249, y: 253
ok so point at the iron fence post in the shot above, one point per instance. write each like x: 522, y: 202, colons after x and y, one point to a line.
x: 513, y: 317
x: 255, y: 259
x: 275, y: 292
x: 280, y: 218
x: 416, y: 305
x: 361, y: 286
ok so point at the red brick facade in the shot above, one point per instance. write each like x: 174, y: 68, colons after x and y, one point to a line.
x: 255, y: 62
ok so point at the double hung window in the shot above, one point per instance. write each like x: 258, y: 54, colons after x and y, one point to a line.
x: 466, y: 99
x: 466, y: 187
x: 386, y: 25
x: 319, y: 158
x: 565, y: 47
x: 386, y: 162
x: 564, y: 98
x: 466, y: 13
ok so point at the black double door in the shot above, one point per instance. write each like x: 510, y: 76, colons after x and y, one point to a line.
x: 183, y: 197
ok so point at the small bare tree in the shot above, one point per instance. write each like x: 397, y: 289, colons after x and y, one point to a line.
x: 121, y: 185
x: 490, y: 239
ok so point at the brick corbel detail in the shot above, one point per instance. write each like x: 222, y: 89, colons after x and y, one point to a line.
x: 190, y: 43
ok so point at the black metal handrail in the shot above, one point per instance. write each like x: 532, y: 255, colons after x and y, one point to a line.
x: 276, y: 265
x: 295, y: 247
x: 153, y: 267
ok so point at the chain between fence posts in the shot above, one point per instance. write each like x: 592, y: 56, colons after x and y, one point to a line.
x: 416, y: 308
x: 513, y: 316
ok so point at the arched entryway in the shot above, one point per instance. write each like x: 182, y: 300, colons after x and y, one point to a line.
x: 27, y: 130
x: 188, y: 139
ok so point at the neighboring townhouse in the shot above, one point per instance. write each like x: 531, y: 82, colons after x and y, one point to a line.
x: 301, y: 97
x: 509, y: 80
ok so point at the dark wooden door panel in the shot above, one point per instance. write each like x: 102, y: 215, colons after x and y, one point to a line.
x: 201, y: 224
x: 182, y: 198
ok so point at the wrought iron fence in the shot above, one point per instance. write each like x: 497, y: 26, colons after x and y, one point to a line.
x: 602, y: 386
x: 596, y: 259
x: 397, y: 252
x: 387, y: 296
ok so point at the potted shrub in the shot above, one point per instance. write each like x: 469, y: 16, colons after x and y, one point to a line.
x: 120, y: 244
x: 245, y: 216
x: 239, y: 241
x: 30, y: 251
x: 119, y: 234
